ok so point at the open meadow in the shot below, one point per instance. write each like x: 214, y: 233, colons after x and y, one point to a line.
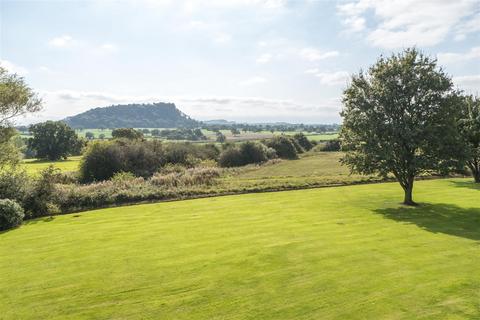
x: 334, y: 253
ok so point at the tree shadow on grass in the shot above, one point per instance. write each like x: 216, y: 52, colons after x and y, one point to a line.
x: 439, y: 218
x: 466, y: 184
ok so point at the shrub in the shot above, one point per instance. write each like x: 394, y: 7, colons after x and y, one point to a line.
x: 39, y: 200
x: 283, y: 146
x: 253, y: 152
x: 127, y: 133
x: 103, y: 159
x: 13, y: 185
x: 11, y: 214
x: 331, y: 145
x: 231, y: 157
x: 303, y: 141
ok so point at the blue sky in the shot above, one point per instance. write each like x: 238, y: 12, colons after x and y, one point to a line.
x: 243, y: 60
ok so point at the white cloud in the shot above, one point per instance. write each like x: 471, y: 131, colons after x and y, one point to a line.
x: 253, y: 81
x: 331, y: 78
x: 404, y: 23
x: 451, y: 57
x: 64, y: 41
x: 13, y: 68
x: 264, y: 58
x: 312, y: 54
x: 470, y: 83
x: 109, y: 48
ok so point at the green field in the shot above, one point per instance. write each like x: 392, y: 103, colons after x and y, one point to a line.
x: 333, y: 253
x: 33, y: 166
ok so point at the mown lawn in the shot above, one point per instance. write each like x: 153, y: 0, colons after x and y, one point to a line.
x: 333, y: 253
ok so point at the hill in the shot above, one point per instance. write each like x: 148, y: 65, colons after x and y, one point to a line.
x: 332, y: 253
x: 154, y: 115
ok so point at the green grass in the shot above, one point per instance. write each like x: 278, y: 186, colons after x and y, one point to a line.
x: 333, y: 253
x: 311, y: 169
x: 34, y: 166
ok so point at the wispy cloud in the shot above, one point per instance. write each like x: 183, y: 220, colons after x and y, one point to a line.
x: 13, y: 68
x: 64, y: 41
x: 410, y: 22
x: 451, y: 57
x: 330, y: 78
x: 312, y: 54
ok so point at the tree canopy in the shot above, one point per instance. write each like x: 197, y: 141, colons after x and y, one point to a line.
x: 470, y: 131
x: 54, y: 140
x: 16, y: 99
x: 400, y: 118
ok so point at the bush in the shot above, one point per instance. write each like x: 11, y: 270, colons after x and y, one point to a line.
x: 331, y: 145
x: 253, y: 152
x: 303, y: 141
x: 283, y: 146
x: 246, y: 153
x: 231, y: 157
x: 11, y: 214
x: 127, y: 133
x: 13, y: 185
x: 39, y: 200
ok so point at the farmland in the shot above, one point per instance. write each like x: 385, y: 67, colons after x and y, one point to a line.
x: 334, y: 253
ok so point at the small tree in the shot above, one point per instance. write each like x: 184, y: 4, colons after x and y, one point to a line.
x: 399, y: 118
x: 16, y: 99
x: 221, y: 137
x: 127, y: 133
x: 53, y: 140
x: 89, y: 135
x: 470, y: 131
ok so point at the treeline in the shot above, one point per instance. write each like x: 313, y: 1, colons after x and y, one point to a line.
x: 280, y: 127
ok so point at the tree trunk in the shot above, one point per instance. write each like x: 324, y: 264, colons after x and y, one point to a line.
x: 408, y: 188
x: 476, y: 176
x: 475, y: 169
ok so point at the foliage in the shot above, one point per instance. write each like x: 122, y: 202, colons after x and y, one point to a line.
x: 182, y: 134
x: 40, y: 197
x: 16, y: 98
x: 13, y: 185
x: 283, y: 146
x: 155, y: 115
x: 303, y: 141
x: 399, y: 118
x: 9, y: 152
x: 54, y: 140
x: 331, y: 145
x: 127, y: 133
x: 245, y: 153
x: 11, y: 214
x: 220, y: 137
x: 470, y: 131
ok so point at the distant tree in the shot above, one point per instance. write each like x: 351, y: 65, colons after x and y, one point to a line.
x: 145, y: 131
x: 283, y: 146
x: 470, y: 131
x: 155, y: 132
x: 221, y: 137
x: 127, y: 133
x: 235, y: 131
x: 101, y: 136
x: 16, y: 99
x: 53, y: 140
x: 89, y: 135
x: 399, y: 118
x: 303, y: 141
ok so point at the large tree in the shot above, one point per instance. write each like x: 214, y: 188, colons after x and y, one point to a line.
x: 54, y: 140
x: 470, y: 130
x: 16, y: 99
x: 400, y: 117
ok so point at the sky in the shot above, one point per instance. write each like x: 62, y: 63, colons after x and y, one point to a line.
x: 241, y: 60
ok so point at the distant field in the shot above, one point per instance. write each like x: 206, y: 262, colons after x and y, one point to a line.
x: 33, y: 166
x: 333, y: 253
